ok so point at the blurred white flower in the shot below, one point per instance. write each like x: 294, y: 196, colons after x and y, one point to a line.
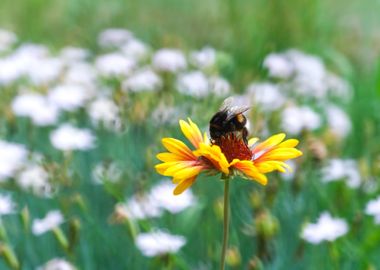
x: 338, y: 87
x: 32, y: 51
x: 43, y: 71
x: 67, y: 137
x: 114, y: 64
x: 170, y: 60
x: 36, y: 107
x: 104, y: 111
x: 165, y: 114
x: 140, y: 207
x: 69, y: 97
x: 219, y: 86
x: 114, y: 37
x: 10, y: 71
x: 110, y: 172
x: 278, y: 65
x: 158, y: 243
x: 80, y: 73
x: 143, y: 80
x: 193, y: 84
x: 204, y: 58
x: 51, y: 221
x: 135, y: 49
x: 338, y: 121
x: 295, y: 119
x: 34, y: 178
x: 310, y: 73
x: 162, y: 195
x: 73, y: 54
x: 342, y: 169
x: 30, y: 61
x: 7, y: 39
x: 327, y: 228
x: 57, y: 264
x: 7, y: 205
x: 267, y: 95
x: 12, y: 157
x: 373, y: 209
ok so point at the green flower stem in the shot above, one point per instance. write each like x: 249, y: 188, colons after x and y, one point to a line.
x: 226, y: 221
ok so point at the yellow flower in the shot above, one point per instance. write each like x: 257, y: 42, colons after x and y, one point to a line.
x: 231, y: 156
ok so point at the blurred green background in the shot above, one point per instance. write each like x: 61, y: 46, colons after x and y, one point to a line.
x: 344, y: 33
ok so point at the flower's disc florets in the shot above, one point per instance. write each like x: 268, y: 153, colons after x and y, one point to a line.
x: 233, y: 147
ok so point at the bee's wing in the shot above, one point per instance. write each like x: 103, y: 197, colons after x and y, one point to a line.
x: 235, y: 110
x: 229, y: 106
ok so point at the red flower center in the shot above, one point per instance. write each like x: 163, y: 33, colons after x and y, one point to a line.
x: 233, y: 146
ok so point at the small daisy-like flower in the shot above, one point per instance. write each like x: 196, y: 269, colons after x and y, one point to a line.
x: 229, y: 155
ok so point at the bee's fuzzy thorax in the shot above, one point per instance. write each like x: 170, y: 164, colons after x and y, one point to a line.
x: 233, y: 146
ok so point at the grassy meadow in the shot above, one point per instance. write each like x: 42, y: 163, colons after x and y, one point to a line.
x: 100, y: 180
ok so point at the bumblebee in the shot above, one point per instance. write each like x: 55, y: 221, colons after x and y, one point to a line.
x: 229, y: 120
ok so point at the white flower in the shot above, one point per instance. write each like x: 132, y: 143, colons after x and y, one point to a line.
x: 165, y: 114
x: 34, y: 178
x: 36, y: 107
x: 10, y: 71
x: 295, y: 119
x: 104, y: 110
x: 278, y: 65
x: 204, y: 58
x: 135, y: 49
x: 43, y: 71
x: 170, y: 60
x: 267, y: 95
x: 74, y: 54
x: 80, y: 73
x: 7, y: 39
x: 310, y: 74
x: 7, y: 206
x: 193, y: 84
x: 109, y: 172
x: 57, y: 264
x: 373, y: 209
x: 143, y: 80
x: 68, y: 137
x: 12, y: 157
x: 114, y: 37
x: 338, y: 121
x: 341, y: 169
x: 158, y: 243
x: 140, y: 207
x: 32, y: 51
x: 338, y: 87
x: 162, y: 195
x: 326, y: 229
x: 114, y: 64
x: 52, y: 220
x: 69, y: 97
x: 219, y: 86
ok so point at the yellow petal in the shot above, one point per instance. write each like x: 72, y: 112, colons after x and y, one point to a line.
x: 169, y: 157
x: 162, y: 167
x: 191, y: 132
x: 177, y: 147
x: 247, y: 167
x: 214, y: 154
x: 182, y: 186
x: 252, y: 141
x: 280, y: 154
x: 270, y: 142
x: 289, y: 143
x: 188, y: 172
